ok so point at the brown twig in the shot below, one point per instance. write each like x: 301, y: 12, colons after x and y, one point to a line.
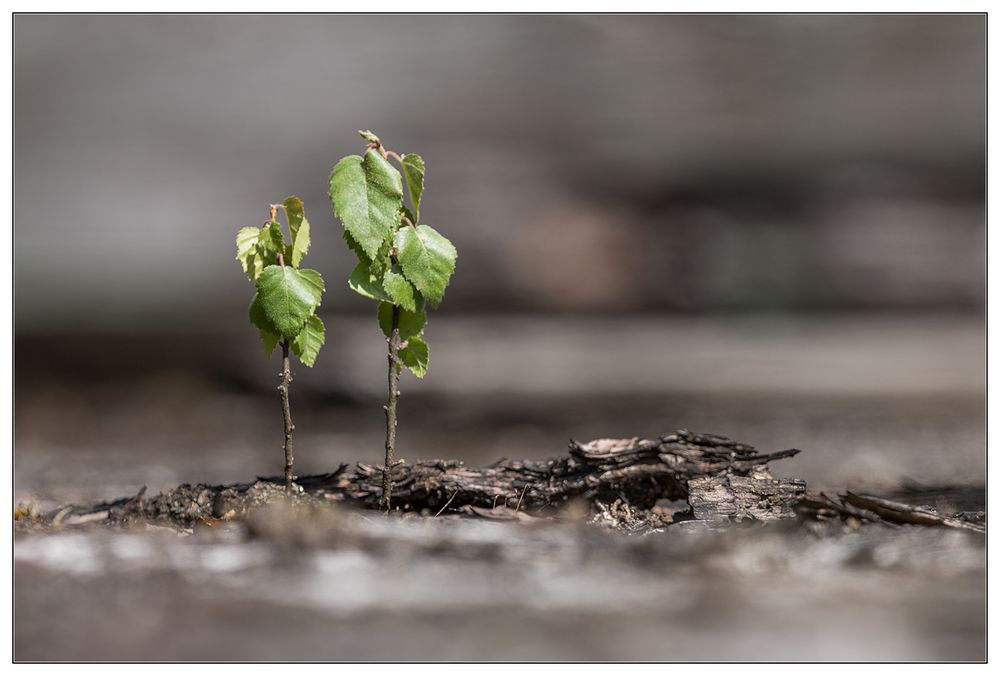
x: 390, y: 411
x: 286, y: 380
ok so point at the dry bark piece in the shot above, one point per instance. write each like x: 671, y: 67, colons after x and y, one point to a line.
x: 731, y: 497
x: 637, y: 471
x: 640, y: 471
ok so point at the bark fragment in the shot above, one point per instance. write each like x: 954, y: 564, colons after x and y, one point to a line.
x: 637, y: 471
x: 732, y: 497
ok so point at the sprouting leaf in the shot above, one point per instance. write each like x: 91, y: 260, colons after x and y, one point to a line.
x: 288, y: 296
x: 411, y: 324
x: 309, y: 341
x: 300, y: 245
x: 367, y: 196
x: 246, y: 246
x: 413, y: 169
x: 295, y: 210
x: 400, y: 291
x: 363, y: 282
x: 415, y: 356
x: 368, y: 136
x: 255, y: 265
x: 270, y: 242
x: 298, y: 228
x: 268, y: 334
x: 427, y: 259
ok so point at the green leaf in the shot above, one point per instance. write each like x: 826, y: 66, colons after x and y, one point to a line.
x: 295, y: 210
x: 270, y: 242
x: 298, y: 228
x: 246, y: 247
x: 367, y: 196
x: 427, y: 259
x: 300, y: 244
x: 413, y: 169
x: 309, y: 341
x: 376, y: 267
x: 400, y: 291
x: 288, y: 296
x: 314, y: 280
x: 411, y: 324
x: 363, y: 282
x: 255, y: 263
x: 268, y: 334
x: 355, y: 247
x: 415, y: 356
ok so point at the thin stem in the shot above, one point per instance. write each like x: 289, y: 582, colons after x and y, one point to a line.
x: 286, y: 380
x: 379, y: 148
x: 390, y: 411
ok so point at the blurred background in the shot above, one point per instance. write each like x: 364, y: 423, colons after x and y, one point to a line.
x: 768, y: 227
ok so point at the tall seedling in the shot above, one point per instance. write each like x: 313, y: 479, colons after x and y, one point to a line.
x: 402, y: 265
x: 284, y: 307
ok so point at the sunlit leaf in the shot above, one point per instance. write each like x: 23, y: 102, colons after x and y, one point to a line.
x: 413, y: 169
x: 400, y: 291
x: 367, y: 197
x: 298, y: 228
x: 288, y: 296
x: 415, y: 356
x: 427, y: 259
x: 309, y: 341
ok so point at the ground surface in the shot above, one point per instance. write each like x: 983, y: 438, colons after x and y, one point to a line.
x: 367, y: 587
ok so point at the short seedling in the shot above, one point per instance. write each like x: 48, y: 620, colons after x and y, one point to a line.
x: 284, y: 307
x: 402, y: 265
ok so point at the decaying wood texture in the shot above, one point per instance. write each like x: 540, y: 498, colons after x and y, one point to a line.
x: 720, y: 478
x: 640, y: 471
x: 759, y: 497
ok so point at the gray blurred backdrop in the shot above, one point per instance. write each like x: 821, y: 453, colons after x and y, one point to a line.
x: 770, y: 227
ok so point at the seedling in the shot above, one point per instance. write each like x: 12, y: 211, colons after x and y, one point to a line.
x: 402, y: 265
x: 284, y: 306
